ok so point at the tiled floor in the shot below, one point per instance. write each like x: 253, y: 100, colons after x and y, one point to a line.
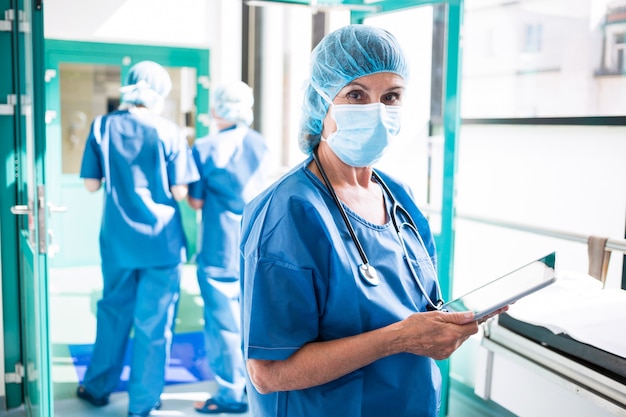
x: 177, y: 402
x: 74, y: 293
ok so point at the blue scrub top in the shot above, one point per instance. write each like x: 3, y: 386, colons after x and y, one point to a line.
x: 139, y: 156
x: 301, y: 284
x: 232, y: 172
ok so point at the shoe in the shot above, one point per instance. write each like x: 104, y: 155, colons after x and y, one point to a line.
x: 83, y: 394
x: 157, y: 406
x: 211, y: 406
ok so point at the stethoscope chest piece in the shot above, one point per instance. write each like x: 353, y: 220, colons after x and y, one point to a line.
x: 369, y: 274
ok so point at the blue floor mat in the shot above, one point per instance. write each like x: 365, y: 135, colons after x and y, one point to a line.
x: 188, y: 361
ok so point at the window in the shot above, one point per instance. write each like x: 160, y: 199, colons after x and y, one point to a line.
x: 540, y: 59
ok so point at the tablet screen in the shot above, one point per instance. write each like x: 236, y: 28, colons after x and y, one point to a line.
x: 507, y: 289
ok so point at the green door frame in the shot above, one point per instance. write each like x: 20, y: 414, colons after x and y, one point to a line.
x: 22, y: 253
x: 9, y: 252
x: 124, y: 56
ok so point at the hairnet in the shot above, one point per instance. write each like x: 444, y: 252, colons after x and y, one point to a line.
x: 147, y: 84
x: 233, y: 102
x: 341, y: 57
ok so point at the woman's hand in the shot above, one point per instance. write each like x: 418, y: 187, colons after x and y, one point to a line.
x: 436, y: 334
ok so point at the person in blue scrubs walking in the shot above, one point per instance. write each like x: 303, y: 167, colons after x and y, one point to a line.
x: 339, y: 287
x: 233, y: 170
x: 144, y: 162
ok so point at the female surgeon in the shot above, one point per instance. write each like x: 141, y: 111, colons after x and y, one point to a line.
x: 340, y: 293
x: 145, y: 164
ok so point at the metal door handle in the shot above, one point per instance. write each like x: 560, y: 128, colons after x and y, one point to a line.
x: 21, y: 210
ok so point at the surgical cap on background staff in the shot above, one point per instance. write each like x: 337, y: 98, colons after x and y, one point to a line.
x: 145, y: 164
x: 340, y: 305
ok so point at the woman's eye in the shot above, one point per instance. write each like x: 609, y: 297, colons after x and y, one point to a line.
x: 355, y: 96
x: 391, y: 98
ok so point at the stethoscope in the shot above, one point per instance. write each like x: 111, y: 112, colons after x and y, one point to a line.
x: 367, y: 272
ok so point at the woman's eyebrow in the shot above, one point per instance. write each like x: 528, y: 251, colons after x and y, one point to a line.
x: 366, y: 88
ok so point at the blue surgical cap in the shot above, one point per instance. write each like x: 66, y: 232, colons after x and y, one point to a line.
x: 147, y: 84
x: 233, y: 102
x: 342, y: 56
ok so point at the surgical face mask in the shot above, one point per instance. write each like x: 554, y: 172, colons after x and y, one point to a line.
x: 363, y: 131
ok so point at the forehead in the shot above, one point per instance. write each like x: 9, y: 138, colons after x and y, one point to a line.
x: 380, y: 80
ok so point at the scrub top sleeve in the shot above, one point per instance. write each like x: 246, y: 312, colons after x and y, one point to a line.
x: 91, y: 165
x: 284, y: 295
x: 196, y: 188
x: 181, y: 167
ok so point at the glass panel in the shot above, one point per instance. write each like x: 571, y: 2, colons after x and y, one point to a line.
x: 180, y: 104
x: 552, y: 58
x: 88, y: 90
x: 410, y: 156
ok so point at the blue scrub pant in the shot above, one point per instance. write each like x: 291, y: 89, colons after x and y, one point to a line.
x: 144, y: 298
x: 223, y: 335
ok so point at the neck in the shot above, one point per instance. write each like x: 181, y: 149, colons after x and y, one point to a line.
x: 352, y: 186
x: 339, y: 173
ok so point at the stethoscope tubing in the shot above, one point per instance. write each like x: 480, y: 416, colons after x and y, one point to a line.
x: 368, y: 272
x: 395, y: 207
x: 330, y: 188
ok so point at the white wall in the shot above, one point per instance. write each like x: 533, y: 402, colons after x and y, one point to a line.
x: 151, y: 22
x: 213, y: 25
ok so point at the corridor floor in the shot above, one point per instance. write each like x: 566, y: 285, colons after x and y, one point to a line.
x: 74, y: 293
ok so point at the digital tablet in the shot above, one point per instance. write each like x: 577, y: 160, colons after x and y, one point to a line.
x: 507, y: 289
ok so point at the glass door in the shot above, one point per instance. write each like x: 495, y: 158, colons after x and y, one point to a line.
x: 86, y: 90
x: 83, y: 81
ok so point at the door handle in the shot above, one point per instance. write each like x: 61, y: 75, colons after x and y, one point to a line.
x: 44, y: 234
x: 21, y: 210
